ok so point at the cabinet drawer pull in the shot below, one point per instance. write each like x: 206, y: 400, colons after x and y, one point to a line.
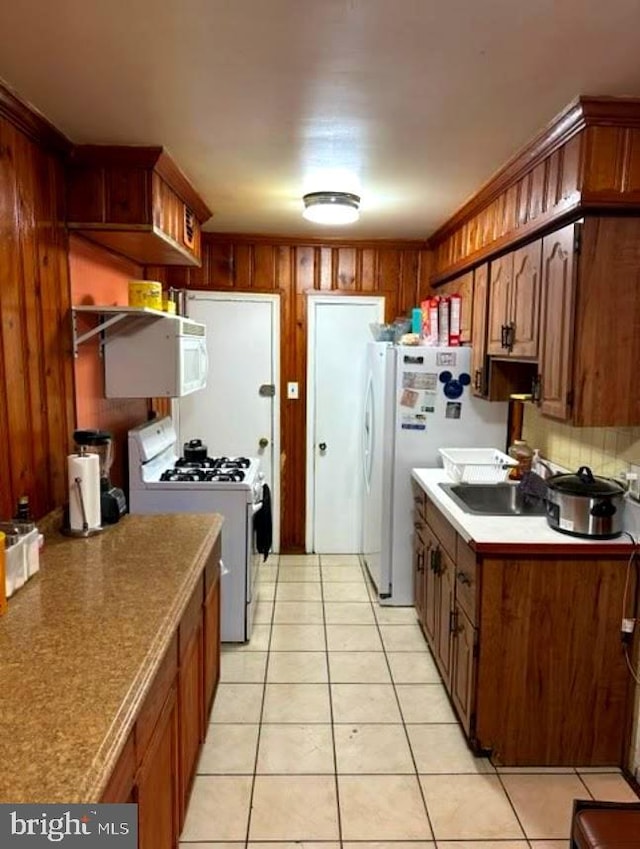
x: 454, y: 627
x: 464, y: 578
x: 536, y: 389
x: 510, y: 335
x: 436, y: 561
x: 503, y: 336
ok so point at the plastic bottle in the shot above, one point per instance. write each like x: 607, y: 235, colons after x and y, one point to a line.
x: 28, y: 537
x: 519, y: 450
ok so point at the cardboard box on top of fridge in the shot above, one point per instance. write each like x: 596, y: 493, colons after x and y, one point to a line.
x: 441, y: 321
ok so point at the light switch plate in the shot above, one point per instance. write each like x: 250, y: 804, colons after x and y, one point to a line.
x: 292, y: 390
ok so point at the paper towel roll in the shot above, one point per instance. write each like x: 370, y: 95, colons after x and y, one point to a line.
x: 87, y: 468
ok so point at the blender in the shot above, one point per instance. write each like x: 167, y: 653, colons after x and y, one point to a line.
x: 113, y: 503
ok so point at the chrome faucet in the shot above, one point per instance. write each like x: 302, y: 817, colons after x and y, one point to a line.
x: 549, y: 471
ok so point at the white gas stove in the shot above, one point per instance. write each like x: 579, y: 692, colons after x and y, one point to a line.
x: 163, y: 481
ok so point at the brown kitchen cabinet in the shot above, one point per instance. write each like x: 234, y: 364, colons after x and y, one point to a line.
x: 419, y: 548
x: 157, y: 782
x: 157, y: 764
x: 479, y: 372
x: 493, y: 378
x: 589, y: 326
x: 191, y: 692
x: 136, y: 202
x: 554, y: 384
x: 463, y: 663
x: 528, y: 647
x: 514, y: 303
x: 211, y: 632
x: 438, y: 582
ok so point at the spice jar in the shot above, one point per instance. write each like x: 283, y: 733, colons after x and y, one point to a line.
x: 521, y: 452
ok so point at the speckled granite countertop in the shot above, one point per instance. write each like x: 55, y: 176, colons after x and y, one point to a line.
x: 80, y: 645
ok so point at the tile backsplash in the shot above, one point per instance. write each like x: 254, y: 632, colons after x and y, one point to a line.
x: 608, y: 451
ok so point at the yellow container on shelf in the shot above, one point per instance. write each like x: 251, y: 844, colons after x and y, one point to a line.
x: 169, y: 306
x: 145, y: 293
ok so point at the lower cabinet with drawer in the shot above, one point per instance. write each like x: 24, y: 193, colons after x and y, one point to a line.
x: 527, y: 644
x: 157, y: 764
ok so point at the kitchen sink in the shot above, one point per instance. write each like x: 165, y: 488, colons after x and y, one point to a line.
x: 495, y: 499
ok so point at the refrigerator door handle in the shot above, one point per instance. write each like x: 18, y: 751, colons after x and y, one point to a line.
x: 367, y: 435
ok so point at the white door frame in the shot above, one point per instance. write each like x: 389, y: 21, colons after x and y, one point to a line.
x: 312, y: 302
x: 275, y: 365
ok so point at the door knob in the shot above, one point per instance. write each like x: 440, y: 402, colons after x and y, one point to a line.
x: 322, y: 446
x: 263, y: 442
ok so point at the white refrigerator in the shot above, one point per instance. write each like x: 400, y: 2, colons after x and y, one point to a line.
x: 417, y: 400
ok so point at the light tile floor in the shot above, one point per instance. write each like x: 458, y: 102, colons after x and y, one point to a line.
x: 331, y: 728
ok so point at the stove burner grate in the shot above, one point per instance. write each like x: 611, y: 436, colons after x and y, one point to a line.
x: 192, y: 472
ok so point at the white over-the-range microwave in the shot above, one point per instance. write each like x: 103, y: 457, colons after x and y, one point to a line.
x: 161, y: 357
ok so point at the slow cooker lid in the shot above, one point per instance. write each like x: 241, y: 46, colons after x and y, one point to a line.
x: 585, y: 483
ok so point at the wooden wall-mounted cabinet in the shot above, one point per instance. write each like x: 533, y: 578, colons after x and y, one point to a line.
x: 589, y: 325
x: 136, y: 202
x: 576, y: 295
x: 586, y: 159
x: 493, y: 378
x: 514, y: 303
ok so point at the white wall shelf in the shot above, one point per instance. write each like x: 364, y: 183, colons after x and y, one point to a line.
x: 109, y: 317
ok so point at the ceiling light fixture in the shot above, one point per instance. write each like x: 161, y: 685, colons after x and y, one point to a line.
x: 331, y: 207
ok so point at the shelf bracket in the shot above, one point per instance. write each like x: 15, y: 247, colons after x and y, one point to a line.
x: 108, y: 317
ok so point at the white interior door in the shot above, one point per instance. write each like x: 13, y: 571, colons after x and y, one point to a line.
x: 337, y: 341
x: 235, y: 414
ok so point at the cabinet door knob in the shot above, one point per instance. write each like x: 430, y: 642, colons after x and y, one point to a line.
x: 322, y: 446
x: 464, y: 578
x: 503, y: 336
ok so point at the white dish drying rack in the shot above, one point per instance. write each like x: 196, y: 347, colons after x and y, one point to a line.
x: 476, y: 465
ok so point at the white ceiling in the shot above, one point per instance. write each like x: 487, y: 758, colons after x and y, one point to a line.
x: 411, y: 103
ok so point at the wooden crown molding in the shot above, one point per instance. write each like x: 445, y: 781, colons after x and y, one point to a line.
x: 152, y: 157
x: 300, y: 241
x: 30, y: 122
x: 581, y: 113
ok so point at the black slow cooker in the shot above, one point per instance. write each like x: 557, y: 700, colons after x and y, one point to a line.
x: 585, y: 505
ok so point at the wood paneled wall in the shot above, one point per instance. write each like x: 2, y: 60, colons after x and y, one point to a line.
x: 36, y: 375
x: 37, y: 387
x: 296, y: 269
